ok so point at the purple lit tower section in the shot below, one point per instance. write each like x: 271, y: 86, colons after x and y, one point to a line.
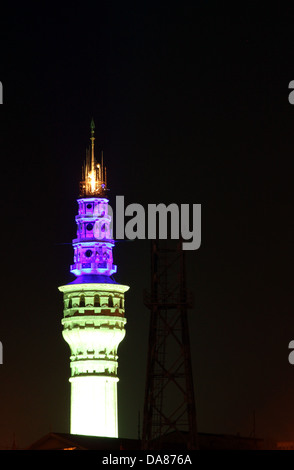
x: 94, y: 315
x: 93, y: 245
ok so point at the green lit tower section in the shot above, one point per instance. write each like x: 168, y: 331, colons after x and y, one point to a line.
x: 94, y: 312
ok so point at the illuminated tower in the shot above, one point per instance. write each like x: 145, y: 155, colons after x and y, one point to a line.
x: 93, y: 323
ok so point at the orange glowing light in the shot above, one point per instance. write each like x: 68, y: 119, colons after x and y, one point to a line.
x: 93, y: 174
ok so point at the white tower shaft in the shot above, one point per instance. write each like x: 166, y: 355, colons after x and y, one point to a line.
x: 93, y: 326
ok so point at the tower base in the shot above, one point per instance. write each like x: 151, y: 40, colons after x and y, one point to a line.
x: 94, y: 406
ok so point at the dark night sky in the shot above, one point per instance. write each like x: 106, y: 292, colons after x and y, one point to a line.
x: 191, y: 106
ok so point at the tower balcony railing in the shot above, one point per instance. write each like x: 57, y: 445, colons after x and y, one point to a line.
x: 93, y: 268
x: 92, y: 239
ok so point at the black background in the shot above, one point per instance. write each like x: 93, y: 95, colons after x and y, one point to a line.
x: 190, y: 102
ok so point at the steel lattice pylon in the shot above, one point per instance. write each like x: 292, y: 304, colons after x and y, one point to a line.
x: 169, y: 405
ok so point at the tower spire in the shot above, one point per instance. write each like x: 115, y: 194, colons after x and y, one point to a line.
x: 93, y: 182
x: 92, y: 138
